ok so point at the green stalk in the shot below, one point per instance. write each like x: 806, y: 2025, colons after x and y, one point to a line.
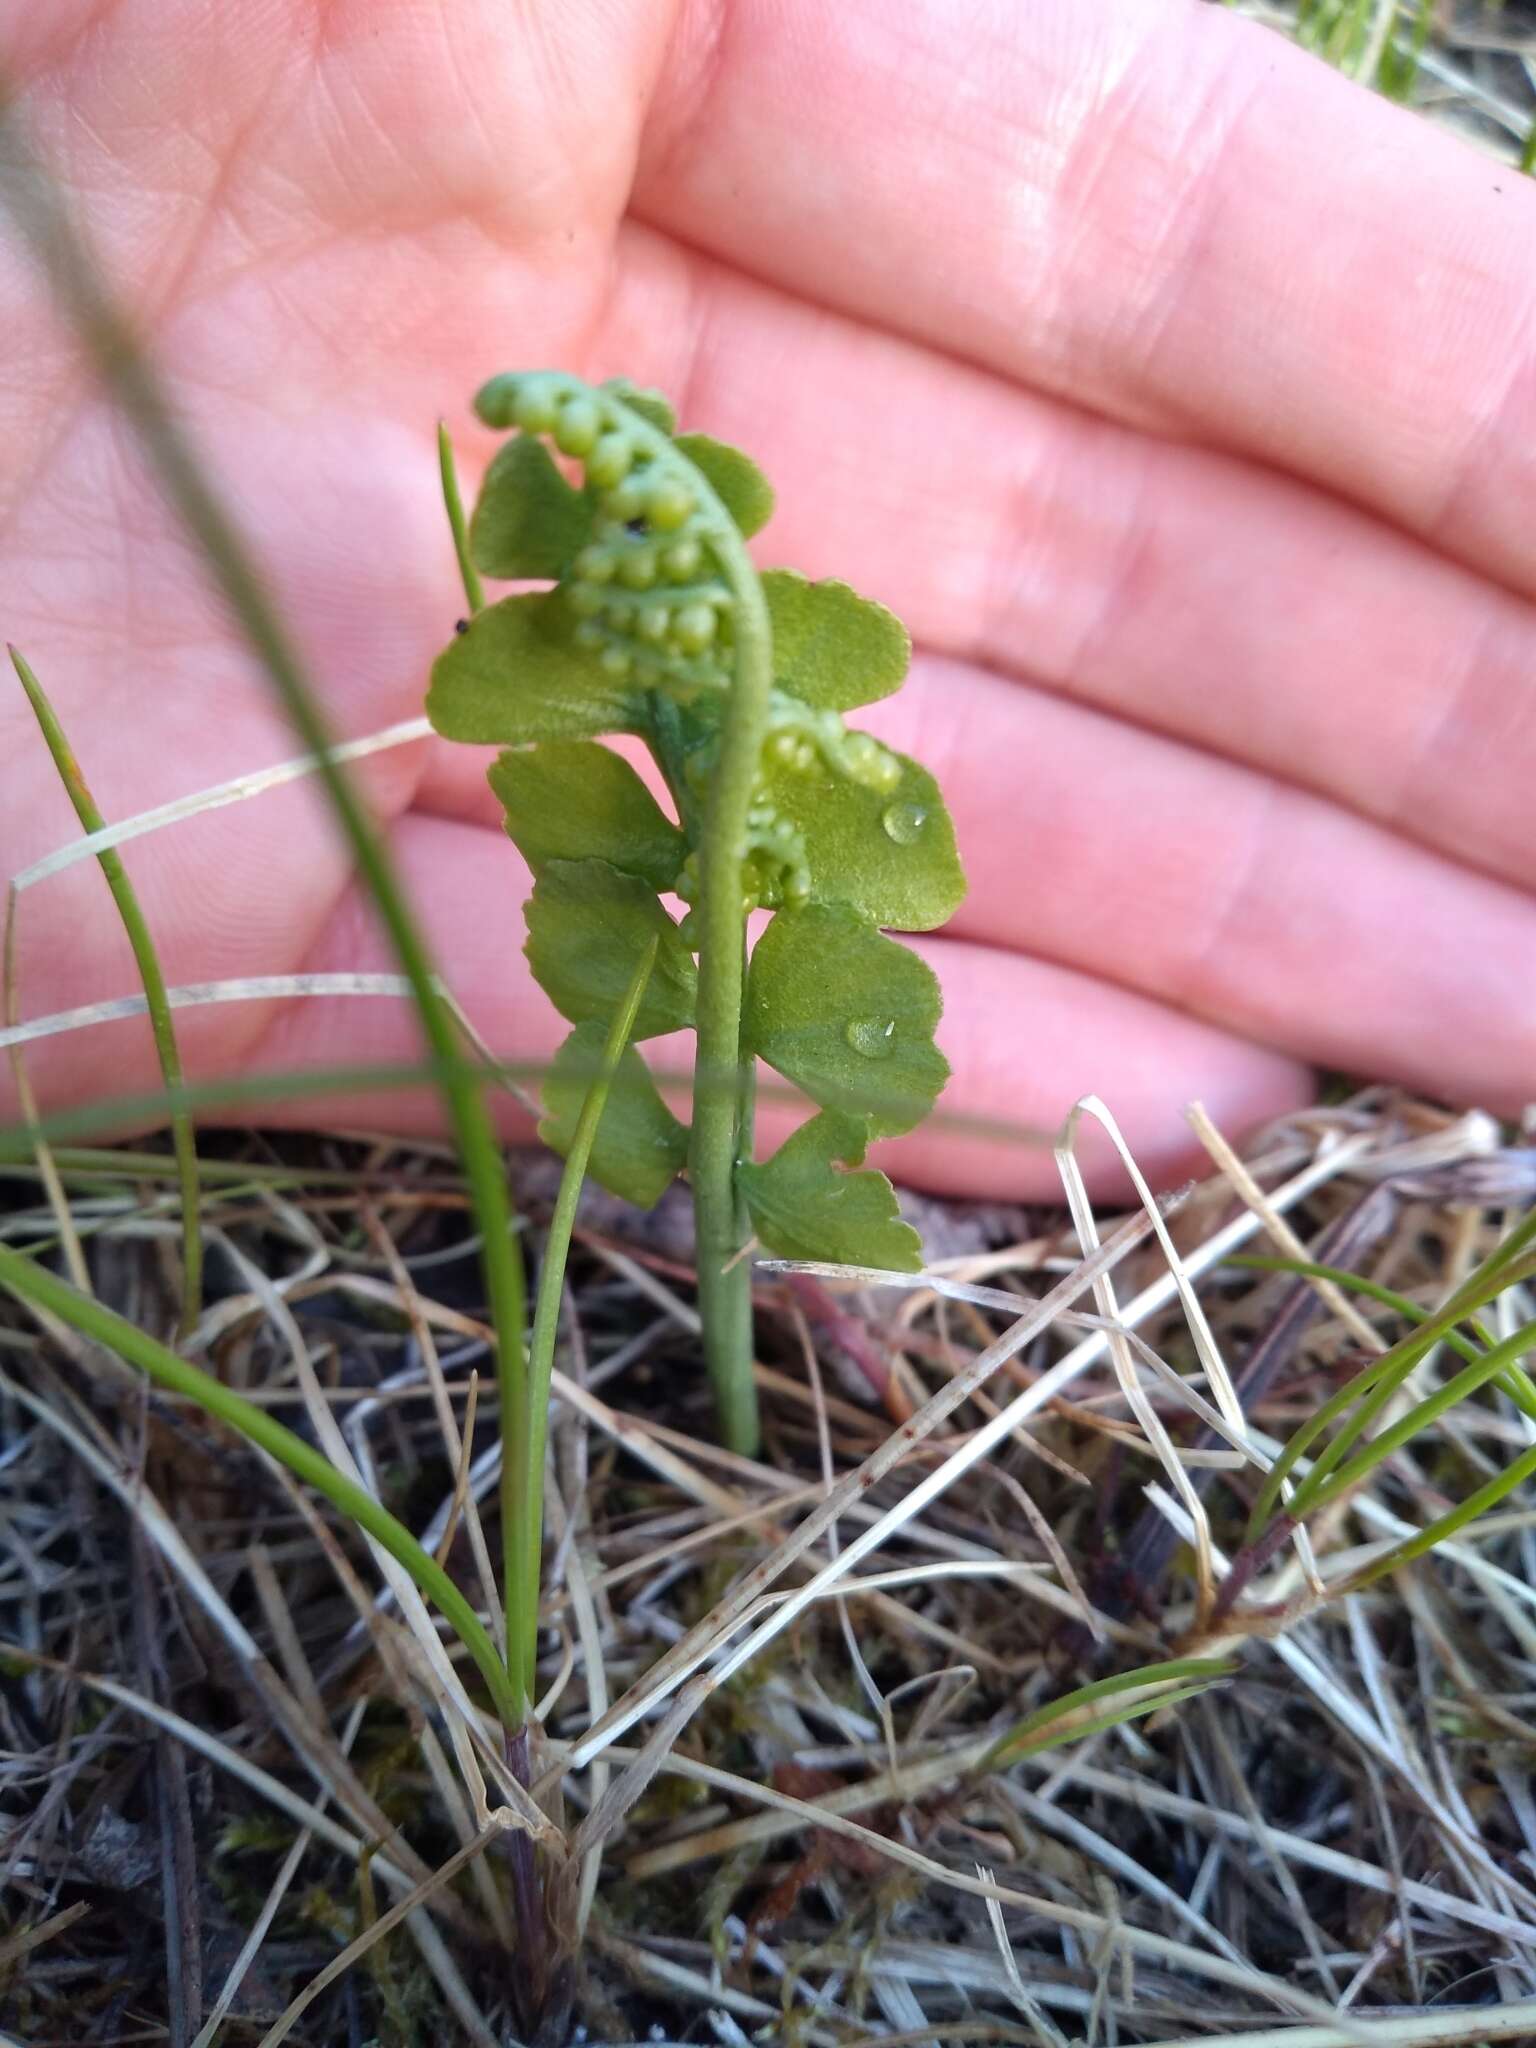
x: 34, y: 1144
x: 35, y: 1284
x: 1320, y: 1488
x: 147, y: 960
x: 474, y: 589
x: 1301, y: 1440
x: 721, y: 1102
x: 37, y: 207
x: 1372, y: 1388
x: 1487, y: 1496
x: 721, y: 1106
x: 523, y: 1532
x: 1512, y: 1380
x: 1040, y: 1730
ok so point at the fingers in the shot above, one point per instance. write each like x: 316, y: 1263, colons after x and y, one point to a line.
x: 1265, y: 910
x: 1025, y: 1037
x: 1148, y: 206
x: 1203, y: 596
x: 1104, y: 848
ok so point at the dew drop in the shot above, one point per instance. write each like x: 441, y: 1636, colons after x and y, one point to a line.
x: 873, y: 1037
x: 904, y: 822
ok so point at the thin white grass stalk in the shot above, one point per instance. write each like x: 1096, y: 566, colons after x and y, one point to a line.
x: 920, y: 1776
x: 1432, y: 1899
x: 1228, y: 1163
x: 385, y: 1924
x: 252, y: 988
x: 1053, y: 1819
x: 215, y: 797
x: 444, y: 1684
x: 861, y: 1671
x: 1378, y: 1690
x: 1189, y: 1397
x: 481, y: 1048
x: 702, y: 1641
x: 645, y: 1698
x: 1046, y: 2028
x: 159, y: 1529
x: 458, y: 1499
x: 640, y: 1439
x: 256, y: 1780
x: 1218, y: 1378
x: 929, y: 1280
x: 1383, y: 21
x: 645, y: 1282
x: 899, y: 1788
x: 261, y: 1782
x: 1345, y: 1709
x: 289, y: 1650
x: 642, y: 1966
x: 1054, y: 1549
x: 459, y: 1446
x: 278, y: 1891
x: 1116, y: 1338
x: 1206, y: 1347
x: 1423, y: 2029
x: 107, y: 1470
x: 1010, y: 1570
x: 590, y: 1635
x: 1268, y: 1847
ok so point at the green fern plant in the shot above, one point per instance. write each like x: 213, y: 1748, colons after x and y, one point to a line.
x: 652, y: 621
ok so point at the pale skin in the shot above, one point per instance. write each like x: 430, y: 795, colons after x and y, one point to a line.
x: 1180, y: 396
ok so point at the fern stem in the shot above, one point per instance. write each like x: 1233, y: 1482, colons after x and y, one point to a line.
x: 721, y: 1105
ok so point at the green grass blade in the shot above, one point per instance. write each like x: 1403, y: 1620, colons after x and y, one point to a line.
x: 32, y: 1283
x: 1302, y: 1439
x: 1319, y: 1489
x: 1514, y: 1381
x: 523, y: 1521
x: 104, y: 1166
x: 1059, y: 1719
x: 36, y: 204
x: 1476, y: 1504
x: 147, y: 960
x: 474, y: 589
x: 1372, y: 1388
x: 17, y: 1140
x: 34, y: 1142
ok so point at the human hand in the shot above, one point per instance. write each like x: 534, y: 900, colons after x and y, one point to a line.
x: 1178, y: 395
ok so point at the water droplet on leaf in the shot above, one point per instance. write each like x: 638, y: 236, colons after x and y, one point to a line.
x: 873, y: 1037
x: 904, y: 822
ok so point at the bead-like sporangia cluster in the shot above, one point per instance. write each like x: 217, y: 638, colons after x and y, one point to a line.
x: 646, y: 588
x: 651, y: 599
